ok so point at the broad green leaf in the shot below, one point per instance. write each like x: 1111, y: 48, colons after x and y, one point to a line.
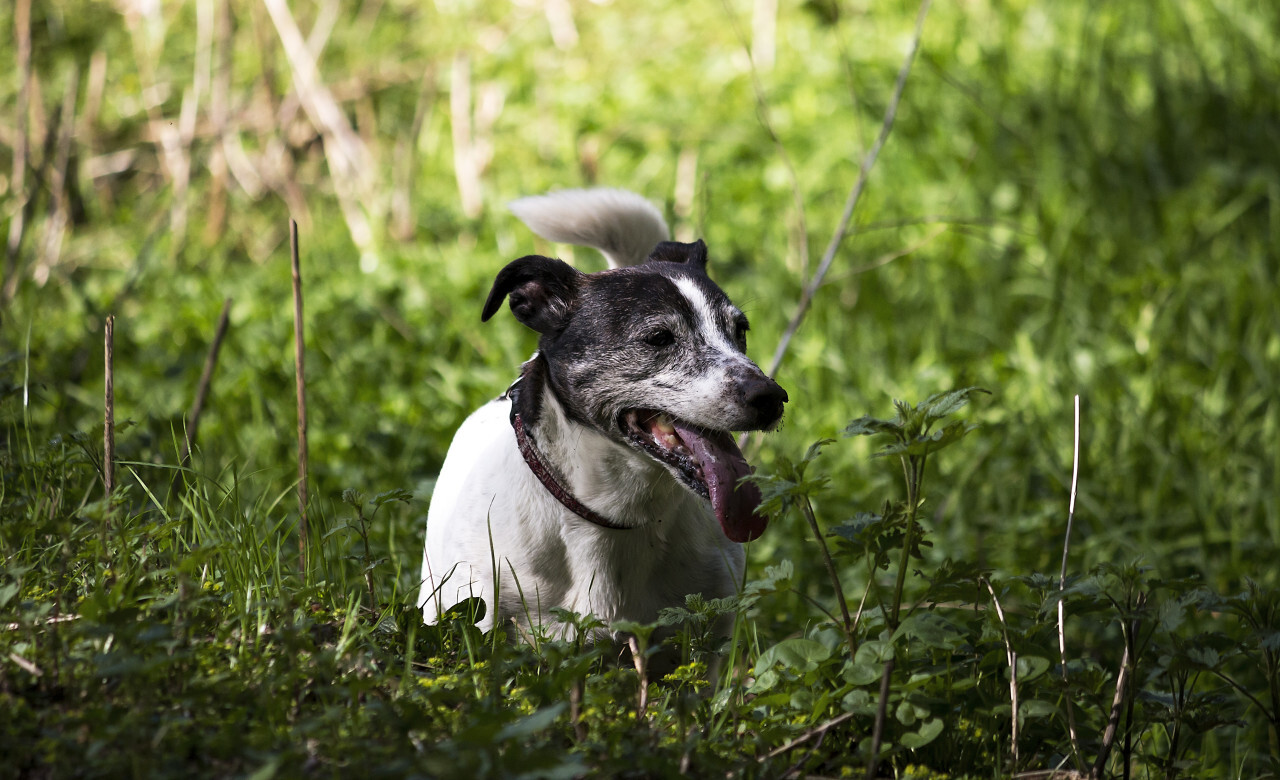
x: 800, y: 654
x: 802, y: 699
x: 470, y: 610
x: 932, y: 629
x: 859, y: 701
x: 909, y: 712
x: 870, y: 426
x: 927, y: 733
x: 267, y: 770
x: 399, y: 494
x: 532, y: 724
x: 1036, y: 708
x: 641, y: 630
x: 7, y: 592
x: 862, y: 673
x: 929, y: 443
x: 764, y: 681
x: 1030, y: 667
x: 939, y: 405
x: 797, y: 653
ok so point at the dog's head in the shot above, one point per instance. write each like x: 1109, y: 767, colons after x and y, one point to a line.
x: 653, y: 356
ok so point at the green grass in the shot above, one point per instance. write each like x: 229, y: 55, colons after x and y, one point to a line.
x: 1075, y: 199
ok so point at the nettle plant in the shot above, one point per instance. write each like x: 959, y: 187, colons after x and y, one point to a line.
x: 957, y: 670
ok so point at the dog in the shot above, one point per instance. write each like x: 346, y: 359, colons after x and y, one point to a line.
x: 605, y: 480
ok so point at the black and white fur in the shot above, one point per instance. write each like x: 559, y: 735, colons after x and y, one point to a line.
x: 639, y: 376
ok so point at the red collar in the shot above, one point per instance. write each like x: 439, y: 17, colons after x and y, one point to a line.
x: 540, y: 470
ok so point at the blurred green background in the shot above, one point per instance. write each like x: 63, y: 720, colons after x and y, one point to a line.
x: 1078, y: 197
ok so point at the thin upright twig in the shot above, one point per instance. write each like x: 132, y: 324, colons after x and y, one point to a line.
x: 301, y: 382
x: 206, y: 379
x: 1012, y: 658
x: 109, y: 410
x: 1062, y: 584
x: 806, y: 295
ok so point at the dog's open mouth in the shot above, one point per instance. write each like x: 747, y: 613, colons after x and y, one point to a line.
x: 708, y: 462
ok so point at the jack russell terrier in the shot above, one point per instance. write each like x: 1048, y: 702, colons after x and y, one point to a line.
x: 605, y: 480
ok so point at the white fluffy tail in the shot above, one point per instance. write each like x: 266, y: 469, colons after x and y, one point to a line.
x: 622, y: 225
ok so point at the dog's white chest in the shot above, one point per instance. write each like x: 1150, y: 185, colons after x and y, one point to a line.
x: 489, y: 510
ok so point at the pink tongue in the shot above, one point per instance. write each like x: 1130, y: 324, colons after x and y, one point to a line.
x: 722, y: 466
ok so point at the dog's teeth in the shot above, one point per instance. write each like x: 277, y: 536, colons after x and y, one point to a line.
x: 662, y: 424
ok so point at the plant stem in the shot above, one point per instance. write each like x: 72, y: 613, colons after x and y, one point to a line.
x: 368, y: 563
x: 814, y: 282
x: 1273, y: 683
x: 882, y: 711
x: 206, y: 379
x: 109, y: 411
x: 914, y: 470
x: 299, y: 352
x: 807, y: 509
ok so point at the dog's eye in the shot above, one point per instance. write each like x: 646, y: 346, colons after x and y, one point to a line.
x: 740, y: 329
x: 660, y: 338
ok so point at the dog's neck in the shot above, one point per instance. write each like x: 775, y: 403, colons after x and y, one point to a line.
x: 588, y: 472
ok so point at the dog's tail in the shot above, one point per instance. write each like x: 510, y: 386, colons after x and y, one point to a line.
x: 622, y: 225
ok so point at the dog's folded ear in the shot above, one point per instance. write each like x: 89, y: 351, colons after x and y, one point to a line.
x: 543, y: 292
x: 694, y: 254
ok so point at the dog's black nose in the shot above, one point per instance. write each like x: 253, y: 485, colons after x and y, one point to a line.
x: 766, y: 398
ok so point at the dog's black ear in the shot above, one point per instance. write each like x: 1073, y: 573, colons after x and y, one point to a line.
x: 543, y: 292
x: 694, y: 254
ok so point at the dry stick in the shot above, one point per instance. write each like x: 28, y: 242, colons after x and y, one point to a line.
x: 206, y: 378
x: 1013, y: 670
x: 109, y: 410
x: 806, y: 296
x: 1062, y: 584
x: 805, y: 737
x: 348, y: 157
x: 219, y: 100
x: 1122, y: 685
x: 22, y: 31
x: 575, y: 710
x: 300, y: 364
x: 402, y: 217
x: 794, y: 769
x: 638, y: 659
x: 1050, y: 774
x: 351, y: 158
x: 464, y: 153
